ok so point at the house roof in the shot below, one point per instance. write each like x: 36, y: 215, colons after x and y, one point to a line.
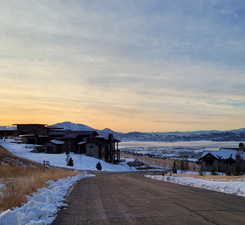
x: 74, y: 134
x: 7, y: 128
x: 57, y: 142
x: 30, y: 124
x: 34, y: 135
x: 81, y: 142
x: 224, y: 153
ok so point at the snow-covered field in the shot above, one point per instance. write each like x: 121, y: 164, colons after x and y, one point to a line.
x: 191, y: 150
x: 236, y: 187
x: 42, y: 205
x: 81, y: 162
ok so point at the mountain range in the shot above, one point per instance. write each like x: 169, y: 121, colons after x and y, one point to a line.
x: 209, y: 135
x: 205, y: 135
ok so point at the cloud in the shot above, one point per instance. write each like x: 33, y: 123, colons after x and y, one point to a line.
x: 126, y: 58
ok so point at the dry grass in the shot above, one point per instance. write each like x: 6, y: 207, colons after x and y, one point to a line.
x: 211, y: 177
x: 160, y: 162
x: 7, y: 158
x: 23, y: 177
x: 20, y: 182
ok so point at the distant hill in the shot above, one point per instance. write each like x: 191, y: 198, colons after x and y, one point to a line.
x: 73, y: 126
x: 208, y: 135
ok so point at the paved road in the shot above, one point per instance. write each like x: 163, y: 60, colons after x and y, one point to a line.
x: 131, y: 199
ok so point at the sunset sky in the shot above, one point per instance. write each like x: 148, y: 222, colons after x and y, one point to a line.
x: 159, y: 65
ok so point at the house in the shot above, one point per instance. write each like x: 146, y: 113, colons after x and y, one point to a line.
x: 86, y: 142
x: 55, y: 146
x: 222, y: 158
x: 39, y: 134
x: 72, y: 138
x: 58, y: 140
x: 102, y: 148
x: 7, y: 132
x: 39, y: 129
x: 33, y: 133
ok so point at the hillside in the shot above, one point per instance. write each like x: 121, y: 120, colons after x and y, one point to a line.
x: 9, y: 159
x: 20, y: 177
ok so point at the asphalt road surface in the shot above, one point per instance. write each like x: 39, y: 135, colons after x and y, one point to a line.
x: 132, y: 199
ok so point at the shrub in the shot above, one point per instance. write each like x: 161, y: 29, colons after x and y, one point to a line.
x: 174, y: 169
x: 98, y: 166
x: 70, y: 162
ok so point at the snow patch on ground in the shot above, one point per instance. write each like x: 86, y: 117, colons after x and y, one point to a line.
x: 81, y: 162
x: 235, y: 187
x: 42, y: 205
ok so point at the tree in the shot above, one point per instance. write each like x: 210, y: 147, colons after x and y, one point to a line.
x: 174, y: 169
x: 201, y: 169
x: 70, y: 162
x: 98, y: 166
x: 238, y: 165
x: 182, y: 165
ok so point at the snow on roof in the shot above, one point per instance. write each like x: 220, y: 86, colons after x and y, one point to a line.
x: 82, y: 143
x: 3, y: 128
x: 224, y: 153
x: 72, y: 126
x: 57, y: 142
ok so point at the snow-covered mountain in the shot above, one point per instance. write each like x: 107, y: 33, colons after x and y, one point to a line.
x: 232, y: 135
x: 73, y: 126
x: 209, y: 135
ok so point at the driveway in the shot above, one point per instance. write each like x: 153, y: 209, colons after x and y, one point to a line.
x: 132, y: 199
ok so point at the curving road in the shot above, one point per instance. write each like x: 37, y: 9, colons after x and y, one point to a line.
x: 132, y: 199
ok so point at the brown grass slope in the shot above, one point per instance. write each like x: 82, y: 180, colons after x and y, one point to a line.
x: 23, y: 177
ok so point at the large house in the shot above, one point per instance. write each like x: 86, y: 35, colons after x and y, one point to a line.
x: 33, y: 133
x: 103, y: 148
x: 222, y: 158
x: 8, y: 132
x: 58, y: 140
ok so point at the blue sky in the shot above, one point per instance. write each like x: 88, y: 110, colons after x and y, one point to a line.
x: 128, y: 65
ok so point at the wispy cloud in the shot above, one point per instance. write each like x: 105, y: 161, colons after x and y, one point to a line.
x: 118, y: 60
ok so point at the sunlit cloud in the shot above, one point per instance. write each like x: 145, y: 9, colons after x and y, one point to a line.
x: 124, y: 65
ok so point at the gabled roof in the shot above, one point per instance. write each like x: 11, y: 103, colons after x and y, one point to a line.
x: 30, y: 124
x: 57, y: 142
x: 68, y: 134
x: 224, y: 153
x: 82, y: 142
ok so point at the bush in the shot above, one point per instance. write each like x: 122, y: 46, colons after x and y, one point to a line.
x: 98, y: 166
x: 70, y: 162
x: 213, y: 172
x: 174, y: 169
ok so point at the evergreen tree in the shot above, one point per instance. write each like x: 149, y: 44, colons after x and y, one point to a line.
x: 174, y: 169
x: 98, y: 166
x: 70, y: 162
x: 238, y: 165
x: 182, y: 165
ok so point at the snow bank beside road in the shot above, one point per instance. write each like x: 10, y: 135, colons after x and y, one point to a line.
x: 235, y: 187
x: 42, y: 205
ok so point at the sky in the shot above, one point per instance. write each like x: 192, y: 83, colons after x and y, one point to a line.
x: 160, y: 65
